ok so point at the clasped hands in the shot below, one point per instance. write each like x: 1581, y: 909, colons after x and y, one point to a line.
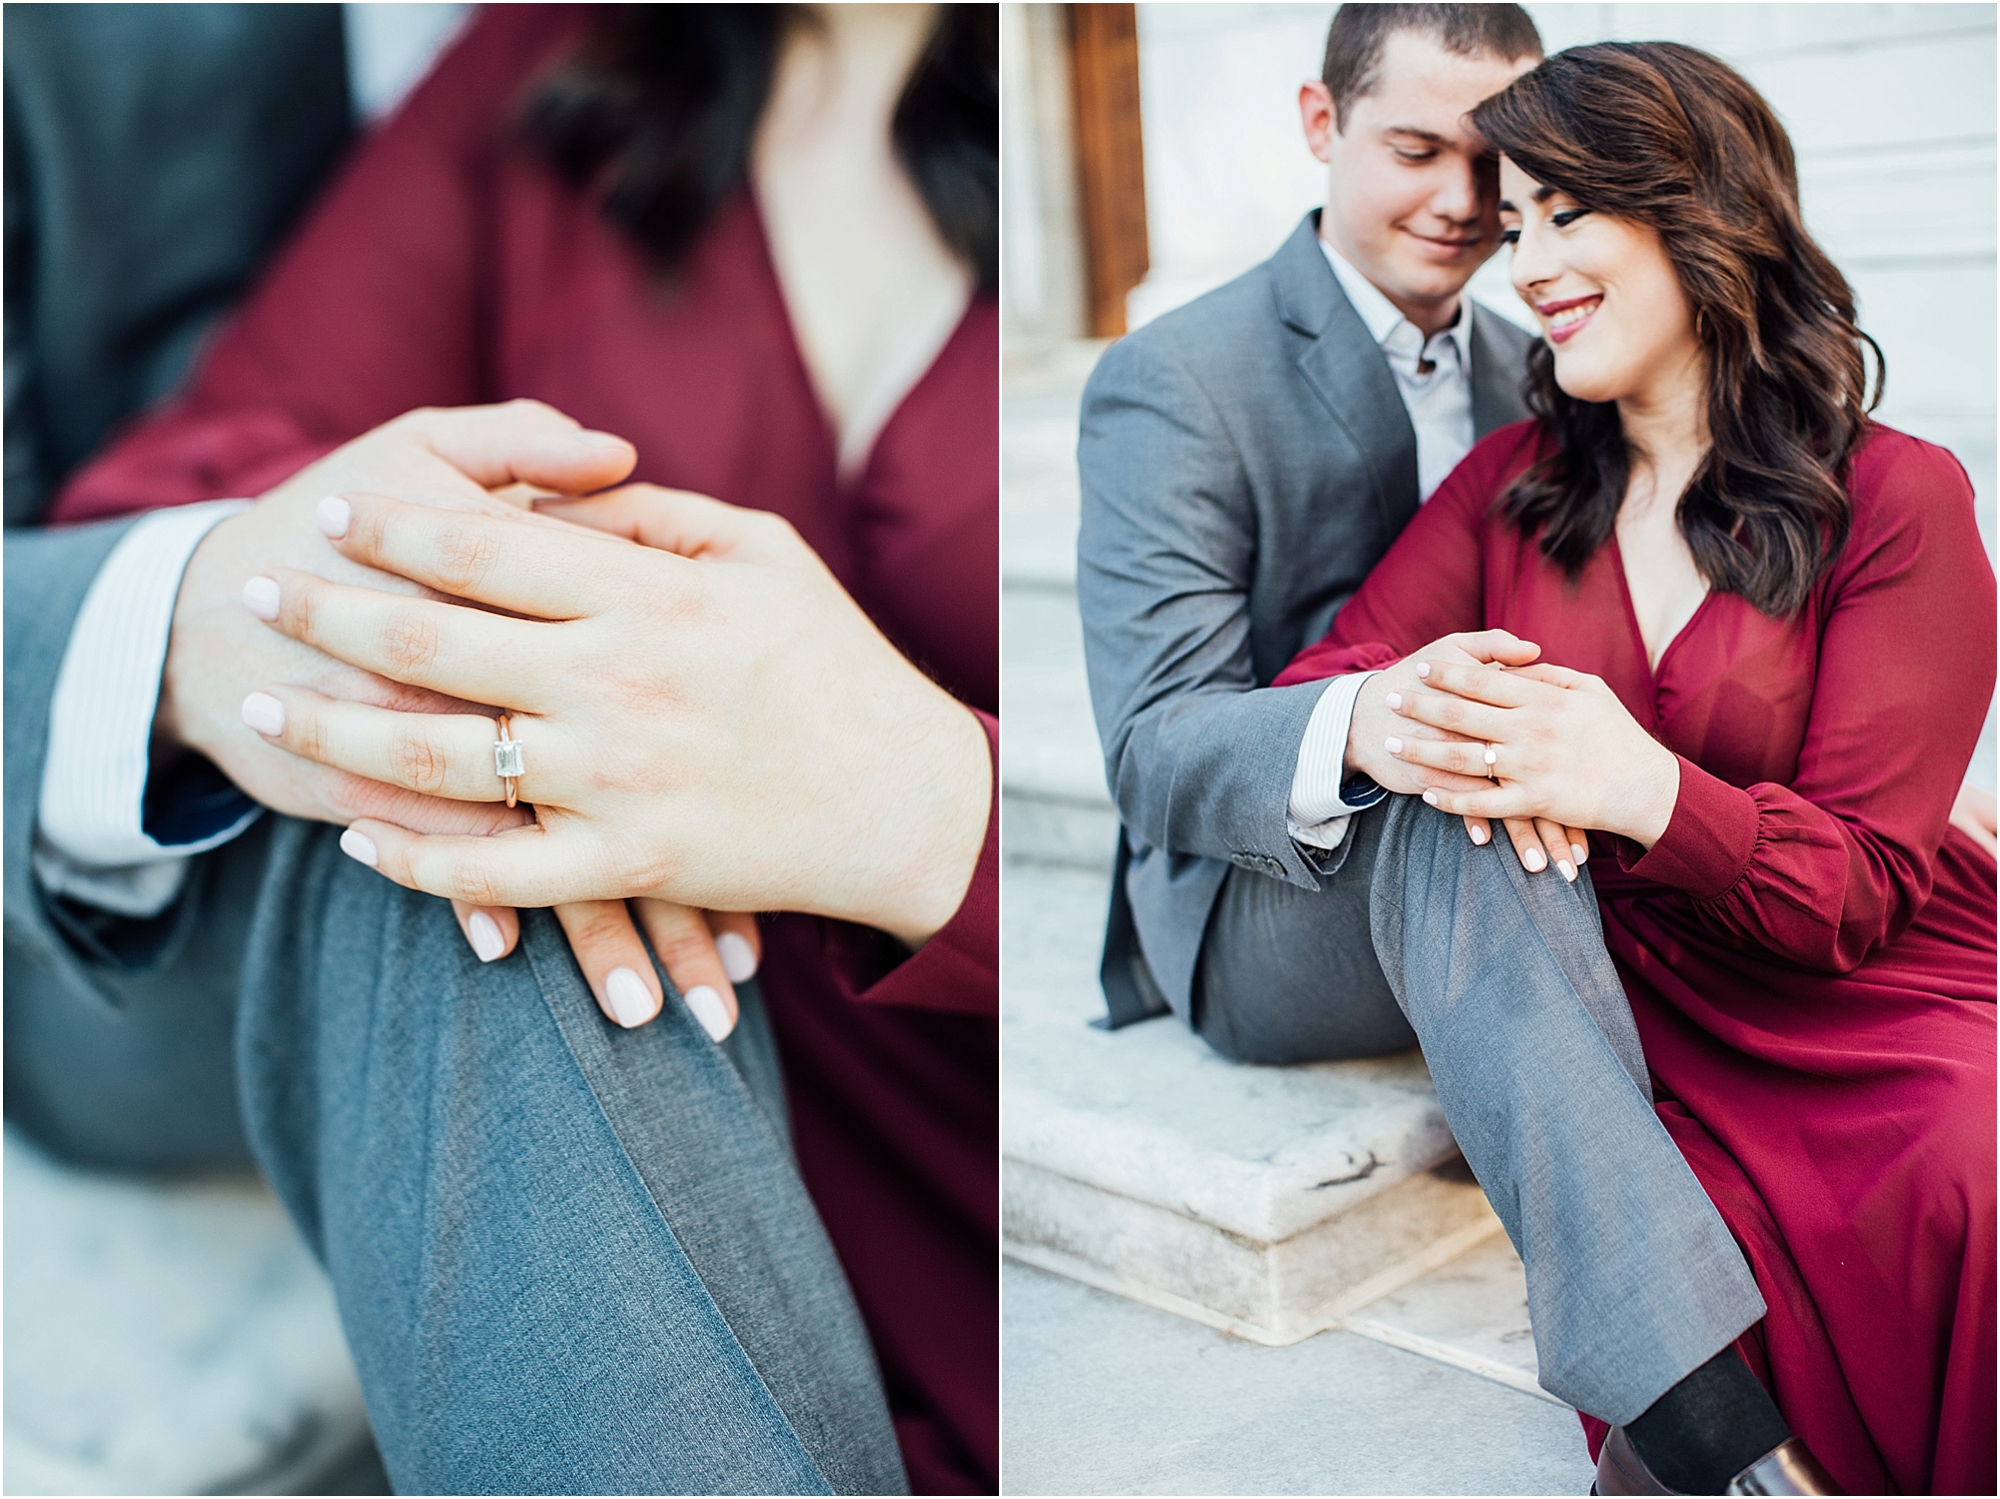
x: 1477, y: 725
x: 710, y: 723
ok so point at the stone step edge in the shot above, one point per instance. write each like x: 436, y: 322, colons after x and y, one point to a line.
x: 1444, y: 1353
x: 1328, y: 1314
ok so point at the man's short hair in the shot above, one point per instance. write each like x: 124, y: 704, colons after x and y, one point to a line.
x: 1354, y: 41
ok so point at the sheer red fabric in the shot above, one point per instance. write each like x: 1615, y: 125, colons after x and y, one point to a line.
x: 1809, y: 949
x: 445, y: 268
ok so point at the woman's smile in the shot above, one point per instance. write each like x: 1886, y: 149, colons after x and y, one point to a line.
x: 1562, y: 320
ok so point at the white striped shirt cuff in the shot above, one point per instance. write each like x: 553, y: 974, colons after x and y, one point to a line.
x: 1317, y: 816
x: 90, y: 840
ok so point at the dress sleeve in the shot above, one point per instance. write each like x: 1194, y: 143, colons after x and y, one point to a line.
x: 1432, y: 581
x: 373, y: 309
x: 1836, y: 864
x: 958, y: 970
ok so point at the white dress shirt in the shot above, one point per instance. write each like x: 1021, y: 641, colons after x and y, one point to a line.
x: 90, y: 839
x: 1434, y: 378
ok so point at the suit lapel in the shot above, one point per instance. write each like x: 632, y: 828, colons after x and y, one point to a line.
x: 1347, y: 372
x: 1499, y: 360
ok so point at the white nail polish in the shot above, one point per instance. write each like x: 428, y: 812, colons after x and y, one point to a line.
x: 1394, y: 699
x: 1580, y: 851
x: 264, y: 713
x: 333, y: 515
x: 260, y: 597
x: 1479, y: 837
x: 1423, y: 668
x: 1393, y: 745
x: 486, y: 938
x: 631, y: 1003
x: 738, y: 961
x: 1536, y: 860
x: 358, y: 846
x: 1568, y: 870
x: 1431, y: 797
x: 706, y: 1006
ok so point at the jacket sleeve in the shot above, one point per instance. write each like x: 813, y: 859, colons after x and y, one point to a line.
x: 1198, y: 754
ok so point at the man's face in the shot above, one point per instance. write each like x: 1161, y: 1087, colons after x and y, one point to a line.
x: 1412, y: 193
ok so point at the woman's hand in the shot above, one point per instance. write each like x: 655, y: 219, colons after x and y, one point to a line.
x: 715, y: 725
x: 705, y: 953
x: 1538, y: 843
x: 1555, y: 744
x: 216, y: 652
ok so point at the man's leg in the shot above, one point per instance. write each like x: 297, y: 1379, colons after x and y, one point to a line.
x: 1289, y: 975
x: 569, y: 1258
x: 1634, y: 1282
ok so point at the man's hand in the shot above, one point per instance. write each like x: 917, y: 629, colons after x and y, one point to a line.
x: 218, y: 652
x: 1538, y: 842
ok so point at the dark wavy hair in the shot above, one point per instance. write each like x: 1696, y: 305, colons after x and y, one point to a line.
x: 656, y: 110
x: 1670, y: 137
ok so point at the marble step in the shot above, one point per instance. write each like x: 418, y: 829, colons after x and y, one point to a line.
x: 1268, y: 1202
x: 1053, y: 801
x: 170, y: 1336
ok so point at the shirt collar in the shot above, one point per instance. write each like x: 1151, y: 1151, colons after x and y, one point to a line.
x: 1381, y: 317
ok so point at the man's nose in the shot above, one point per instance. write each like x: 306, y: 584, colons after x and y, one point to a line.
x: 1455, y: 195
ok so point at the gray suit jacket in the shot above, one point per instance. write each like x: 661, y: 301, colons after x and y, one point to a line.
x: 1245, y: 461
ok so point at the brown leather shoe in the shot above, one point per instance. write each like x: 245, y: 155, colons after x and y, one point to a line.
x: 1787, y: 1468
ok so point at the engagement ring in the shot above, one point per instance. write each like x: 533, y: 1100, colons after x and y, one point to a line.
x: 507, y: 763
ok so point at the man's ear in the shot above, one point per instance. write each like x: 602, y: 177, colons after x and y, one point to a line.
x: 1318, y: 117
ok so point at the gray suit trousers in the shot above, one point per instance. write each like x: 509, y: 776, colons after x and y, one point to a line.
x: 1503, y: 978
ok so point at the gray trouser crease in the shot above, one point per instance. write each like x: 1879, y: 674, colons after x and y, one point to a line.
x: 1503, y: 978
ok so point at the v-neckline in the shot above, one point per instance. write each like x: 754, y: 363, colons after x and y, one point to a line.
x: 843, y: 483
x: 1653, y: 667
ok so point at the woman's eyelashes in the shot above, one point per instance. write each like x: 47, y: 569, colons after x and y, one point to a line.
x: 1561, y: 220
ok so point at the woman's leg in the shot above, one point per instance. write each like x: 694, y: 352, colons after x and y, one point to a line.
x: 569, y: 1258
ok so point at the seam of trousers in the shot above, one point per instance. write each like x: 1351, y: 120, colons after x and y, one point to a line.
x: 283, y: 1108
x: 571, y: 1004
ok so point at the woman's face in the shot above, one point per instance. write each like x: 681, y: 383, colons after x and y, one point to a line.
x: 1609, y: 302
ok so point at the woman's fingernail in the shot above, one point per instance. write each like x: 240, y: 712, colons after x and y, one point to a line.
x: 1568, y: 870
x: 1479, y: 836
x: 1393, y: 745
x: 264, y: 713
x: 707, y: 1007
x: 1394, y: 700
x: 359, y: 846
x: 631, y: 1002
x: 1431, y: 797
x: 738, y: 961
x: 333, y: 516
x: 486, y: 938
x: 260, y: 597
x: 1581, y: 851
x: 602, y: 440
x: 1423, y: 668
x: 1536, y: 860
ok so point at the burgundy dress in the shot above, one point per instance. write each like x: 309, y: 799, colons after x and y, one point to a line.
x: 1809, y: 948
x: 444, y: 268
